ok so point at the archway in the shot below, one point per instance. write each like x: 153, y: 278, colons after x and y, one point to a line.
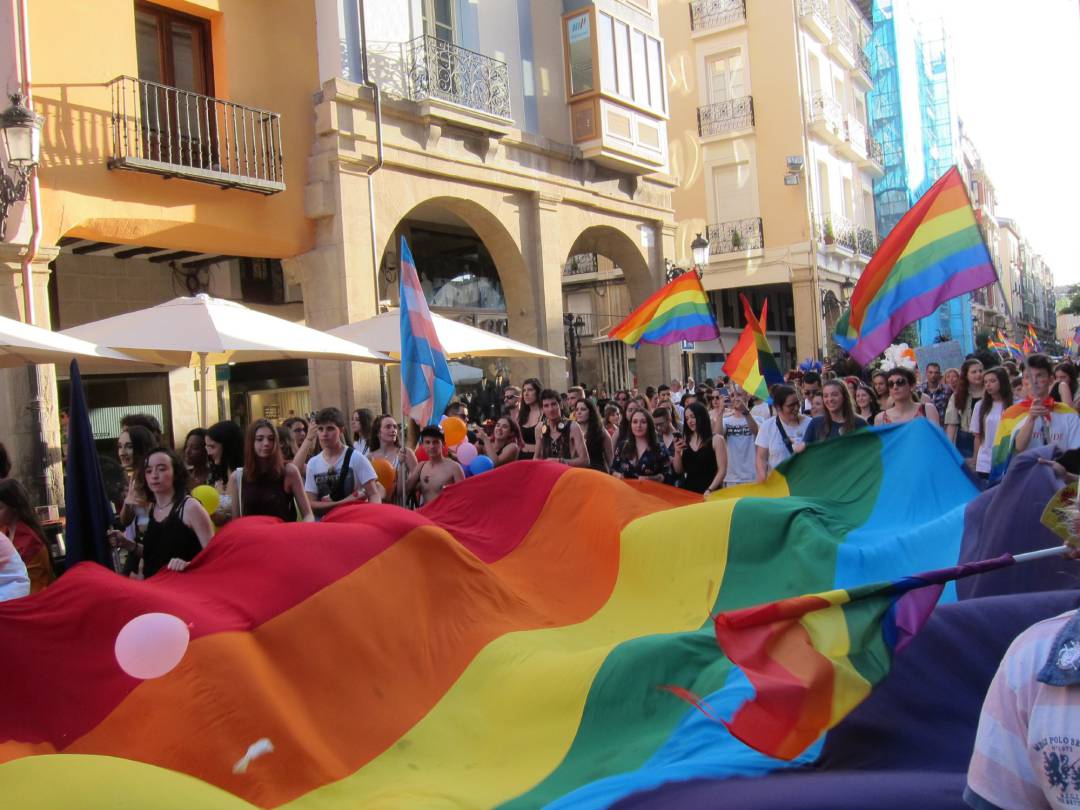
x: 471, y: 270
x: 606, y: 275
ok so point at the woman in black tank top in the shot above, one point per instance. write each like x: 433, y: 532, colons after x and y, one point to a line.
x: 597, y: 440
x: 266, y: 484
x: 179, y: 527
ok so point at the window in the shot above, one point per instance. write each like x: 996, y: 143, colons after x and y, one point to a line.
x: 622, y: 59
x: 173, y: 49
x: 438, y: 17
x: 638, y: 61
x: 725, y: 78
x: 606, y: 36
x: 656, y: 75
x: 580, y: 53
x: 732, y: 192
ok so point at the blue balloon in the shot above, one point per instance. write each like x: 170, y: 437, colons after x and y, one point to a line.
x: 481, y: 464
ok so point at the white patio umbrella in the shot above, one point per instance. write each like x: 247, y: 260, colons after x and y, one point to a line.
x: 383, y: 334
x: 204, y: 331
x: 22, y: 344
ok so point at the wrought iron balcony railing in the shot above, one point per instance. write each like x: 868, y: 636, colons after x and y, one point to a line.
x: 178, y: 133
x: 726, y: 116
x: 874, y: 150
x: 862, y: 59
x: 825, y: 108
x: 705, y: 14
x: 581, y: 264
x: 866, y: 241
x: 447, y: 72
x: 735, y: 236
x: 843, y: 35
x: 835, y: 230
x: 817, y: 8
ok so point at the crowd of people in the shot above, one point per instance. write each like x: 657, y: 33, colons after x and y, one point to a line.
x: 700, y: 437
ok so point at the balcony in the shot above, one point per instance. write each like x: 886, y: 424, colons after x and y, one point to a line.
x: 737, y: 236
x: 842, y: 46
x: 442, y: 74
x: 710, y: 14
x: 861, y: 73
x: 874, y: 160
x: 726, y: 117
x: 866, y: 244
x: 177, y: 133
x: 826, y: 118
x: 853, y: 147
x: 816, y: 18
x: 837, y: 233
x: 581, y: 264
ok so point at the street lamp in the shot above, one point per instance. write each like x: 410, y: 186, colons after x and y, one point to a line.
x: 573, y: 323
x: 700, y: 250
x: 846, y: 289
x: 22, y: 141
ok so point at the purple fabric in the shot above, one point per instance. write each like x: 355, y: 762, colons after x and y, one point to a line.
x: 1006, y: 518
x: 911, y: 612
x: 909, y: 743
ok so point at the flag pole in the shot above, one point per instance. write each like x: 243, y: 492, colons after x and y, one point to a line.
x: 1054, y: 551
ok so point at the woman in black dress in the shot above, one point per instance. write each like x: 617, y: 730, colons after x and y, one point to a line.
x: 597, y: 440
x: 267, y: 484
x: 529, y: 415
x: 700, y: 454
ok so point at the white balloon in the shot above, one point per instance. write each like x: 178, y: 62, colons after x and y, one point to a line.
x: 151, y: 645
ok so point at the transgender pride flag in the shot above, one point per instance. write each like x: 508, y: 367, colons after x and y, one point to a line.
x: 426, y: 385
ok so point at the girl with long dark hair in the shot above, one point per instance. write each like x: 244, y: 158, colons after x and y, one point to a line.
x: 700, y: 454
x: 597, y: 440
x: 641, y: 455
x: 195, y: 458
x: 529, y: 416
x: 839, y: 417
x: 225, y: 450
x: 505, y: 443
x: 866, y: 407
x: 20, y: 524
x: 968, y: 391
x: 997, y: 397
x: 267, y: 484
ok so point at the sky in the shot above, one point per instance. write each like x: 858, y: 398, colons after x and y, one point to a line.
x: 1017, y: 65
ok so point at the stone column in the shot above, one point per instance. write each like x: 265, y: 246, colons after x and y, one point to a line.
x: 807, y: 313
x: 29, y: 410
x: 547, y: 259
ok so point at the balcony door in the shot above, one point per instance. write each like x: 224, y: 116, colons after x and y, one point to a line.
x: 440, y: 56
x: 726, y: 78
x: 173, y: 51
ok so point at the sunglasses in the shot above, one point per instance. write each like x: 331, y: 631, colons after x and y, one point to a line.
x: 898, y: 383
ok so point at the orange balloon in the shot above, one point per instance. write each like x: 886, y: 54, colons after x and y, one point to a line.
x: 385, y: 472
x: 454, y: 430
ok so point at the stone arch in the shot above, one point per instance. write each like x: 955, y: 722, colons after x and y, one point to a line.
x: 642, y: 269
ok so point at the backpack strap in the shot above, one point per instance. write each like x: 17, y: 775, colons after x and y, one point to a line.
x: 338, y: 492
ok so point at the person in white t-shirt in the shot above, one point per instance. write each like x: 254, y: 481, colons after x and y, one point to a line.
x: 740, y: 430
x: 14, y: 581
x: 781, y: 436
x: 338, y: 474
x: 997, y: 396
x: 1045, y: 425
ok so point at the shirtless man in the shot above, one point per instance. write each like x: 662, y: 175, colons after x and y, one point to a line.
x: 438, y: 471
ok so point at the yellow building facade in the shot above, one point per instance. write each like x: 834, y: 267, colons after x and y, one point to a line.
x: 278, y: 158
x: 769, y: 142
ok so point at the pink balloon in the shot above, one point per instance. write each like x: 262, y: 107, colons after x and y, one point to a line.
x: 151, y: 645
x: 466, y: 452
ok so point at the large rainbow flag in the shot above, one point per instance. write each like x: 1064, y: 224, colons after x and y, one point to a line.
x: 503, y: 647
x: 934, y: 253
x: 752, y: 363
x: 677, y: 311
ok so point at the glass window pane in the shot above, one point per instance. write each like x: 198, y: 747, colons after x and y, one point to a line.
x: 147, y: 46
x: 579, y: 37
x: 187, y: 57
x: 637, y: 63
x: 605, y: 36
x: 656, y: 75
x: 622, y: 58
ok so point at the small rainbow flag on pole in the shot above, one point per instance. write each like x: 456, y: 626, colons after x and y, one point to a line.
x: 934, y: 253
x: 678, y: 311
x: 1033, y: 336
x: 751, y: 363
x: 1011, y: 347
x: 812, y: 659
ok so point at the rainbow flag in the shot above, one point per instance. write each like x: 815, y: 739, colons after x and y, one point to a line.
x: 502, y: 647
x: 1011, y: 347
x: 934, y: 253
x: 1005, y: 439
x: 426, y: 384
x: 812, y: 659
x: 678, y: 311
x: 1033, y: 336
x: 752, y: 363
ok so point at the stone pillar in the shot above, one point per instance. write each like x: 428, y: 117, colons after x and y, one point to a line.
x: 807, y: 313
x: 29, y: 410
x: 547, y: 259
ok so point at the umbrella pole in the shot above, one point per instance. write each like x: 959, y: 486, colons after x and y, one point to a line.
x: 202, y: 389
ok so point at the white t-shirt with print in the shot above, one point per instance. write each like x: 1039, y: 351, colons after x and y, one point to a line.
x: 986, y: 449
x: 741, y: 468
x: 321, y: 476
x: 770, y: 438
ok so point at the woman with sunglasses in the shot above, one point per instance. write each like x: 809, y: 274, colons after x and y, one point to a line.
x: 781, y: 436
x: 904, y: 408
